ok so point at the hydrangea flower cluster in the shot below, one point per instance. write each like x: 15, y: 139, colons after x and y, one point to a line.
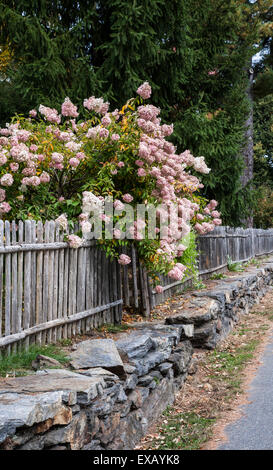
x: 53, y: 166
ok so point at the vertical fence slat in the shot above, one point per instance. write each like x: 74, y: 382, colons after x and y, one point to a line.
x: 45, y: 275
x: 60, y: 314
x: 55, y: 283
x: 39, y: 284
x: 27, y: 281
x: 7, y: 283
x: 50, y: 280
x: 33, y: 281
x: 1, y: 275
x: 14, y: 316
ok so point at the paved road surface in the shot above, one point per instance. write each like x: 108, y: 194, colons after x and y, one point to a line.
x: 254, y: 430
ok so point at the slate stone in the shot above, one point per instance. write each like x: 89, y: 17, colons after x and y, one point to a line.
x: 130, y: 382
x: 209, y: 311
x: 84, y: 388
x: 164, y: 367
x: 188, y: 331
x: 131, y: 429
x: 37, y: 443
x: 103, y: 406
x: 42, y: 361
x: 93, y: 445
x: 134, y: 346
x: 152, y: 359
x: 138, y: 396
x: 156, y: 374
x: 122, y: 397
x: 18, y: 409
x: 181, y: 358
x: 75, y: 434
x: 167, y: 333
x: 145, y: 380
x: 106, y: 375
x: 129, y: 369
x: 98, y: 353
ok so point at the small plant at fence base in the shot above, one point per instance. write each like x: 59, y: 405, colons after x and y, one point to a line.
x: 233, y: 266
x: 217, y: 276
x: 53, y: 166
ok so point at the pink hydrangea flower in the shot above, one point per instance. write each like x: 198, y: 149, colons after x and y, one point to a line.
x: 74, y: 162
x: 69, y: 109
x: 116, y: 233
x: 144, y: 90
x: 124, y: 259
x: 217, y: 221
x: 86, y: 227
x: 33, y: 113
x: 44, y: 177
x: 106, y: 120
x: 115, y: 137
x: 118, y: 205
x: 74, y: 241
x: 159, y: 289
x: 4, y: 208
x: 62, y: 221
x: 3, y: 160
x: 6, y: 180
x: 96, y: 104
x: 167, y: 129
x: 57, y: 157
x: 50, y: 114
x: 141, y: 172
x: 34, y: 181
x: 103, y: 133
x: 127, y: 198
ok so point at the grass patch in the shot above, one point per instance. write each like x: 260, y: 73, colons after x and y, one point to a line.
x: 186, y: 431
x: 20, y: 362
x: 217, y: 276
x: 234, y: 266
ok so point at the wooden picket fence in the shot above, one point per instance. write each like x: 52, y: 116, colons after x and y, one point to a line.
x: 238, y: 243
x: 50, y: 292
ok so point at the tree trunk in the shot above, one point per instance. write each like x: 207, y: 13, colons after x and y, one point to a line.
x: 248, y: 148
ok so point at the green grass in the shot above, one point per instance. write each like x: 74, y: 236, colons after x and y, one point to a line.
x: 186, y: 431
x: 217, y: 276
x: 20, y: 362
x: 199, y: 285
x: 233, y: 266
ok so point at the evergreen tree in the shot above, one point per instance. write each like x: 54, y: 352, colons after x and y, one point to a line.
x: 51, y: 48
x: 195, y: 55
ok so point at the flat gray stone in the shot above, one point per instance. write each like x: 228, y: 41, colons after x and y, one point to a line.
x: 198, y: 312
x: 152, y: 359
x: 98, y: 353
x: 17, y: 410
x: 84, y: 388
x: 99, y: 372
x: 135, y: 345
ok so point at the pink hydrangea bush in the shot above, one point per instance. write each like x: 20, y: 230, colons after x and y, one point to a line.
x: 54, y: 165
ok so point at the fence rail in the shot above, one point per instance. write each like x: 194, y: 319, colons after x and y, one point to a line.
x: 50, y: 292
